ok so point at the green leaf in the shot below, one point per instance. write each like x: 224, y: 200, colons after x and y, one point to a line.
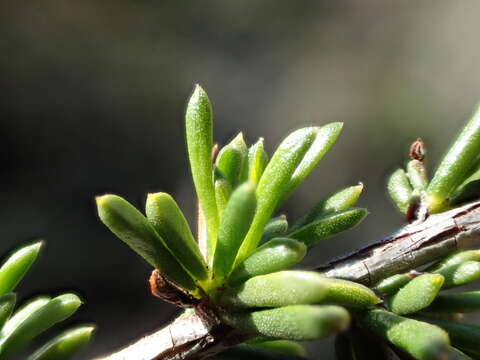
x: 276, y: 227
x: 324, y: 139
x: 130, y: 226
x: 273, y: 183
x: 341, y: 200
x: 455, y: 259
x: 199, y: 132
x: 275, y: 255
x: 285, y: 347
x: 392, y: 284
x: 417, y: 294
x: 223, y: 190
x: 7, y: 303
x: 470, y: 188
x: 417, y: 175
x: 17, y: 265
x: 455, y: 354
x: 232, y: 159
x: 23, y: 313
x: 420, y: 340
x: 169, y: 222
x: 56, y: 310
x: 243, y: 351
x: 65, y: 345
x: 460, y: 274
x: 400, y: 190
x: 463, y: 336
x: 236, y: 221
x: 329, y: 226
x: 296, y: 322
x: 455, y: 166
x: 297, y: 287
x: 257, y: 162
x: 456, y: 303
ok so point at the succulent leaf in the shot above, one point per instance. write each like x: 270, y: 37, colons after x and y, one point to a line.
x: 328, y: 226
x: 274, y: 255
x: 169, y: 222
x: 296, y: 322
x: 130, y: 226
x: 400, y: 190
x: 236, y: 221
x: 7, y: 303
x: 65, y: 345
x: 232, y: 158
x: 17, y: 265
x: 199, y: 133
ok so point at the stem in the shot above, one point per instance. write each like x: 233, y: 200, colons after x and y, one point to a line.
x: 193, y: 337
x: 412, y: 246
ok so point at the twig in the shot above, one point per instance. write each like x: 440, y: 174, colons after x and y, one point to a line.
x: 191, y: 337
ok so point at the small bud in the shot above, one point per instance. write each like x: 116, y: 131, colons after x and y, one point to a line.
x: 418, y: 150
x: 257, y: 162
x: 232, y: 159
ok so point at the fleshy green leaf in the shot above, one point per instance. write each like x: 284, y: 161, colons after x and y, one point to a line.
x: 23, y: 313
x: 296, y: 322
x: 285, y: 347
x: 257, y: 162
x: 169, y: 222
x: 463, y: 336
x: 223, y: 190
x: 232, y: 158
x: 243, y: 351
x: 297, y: 287
x: 417, y: 294
x: 455, y: 259
x: 341, y: 200
x: 460, y: 274
x: 329, y: 226
x: 276, y: 227
x: 7, y: 303
x: 420, y: 340
x: 273, y: 183
x: 236, y: 221
x: 324, y: 139
x: 400, y: 190
x: 417, y: 175
x: 455, y: 166
x: 199, y: 133
x: 17, y: 265
x: 392, y: 284
x: 275, y: 255
x: 456, y: 303
x: 130, y: 226
x: 56, y: 310
x: 65, y: 345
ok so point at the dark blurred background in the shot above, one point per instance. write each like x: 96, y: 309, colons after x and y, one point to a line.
x: 92, y: 96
